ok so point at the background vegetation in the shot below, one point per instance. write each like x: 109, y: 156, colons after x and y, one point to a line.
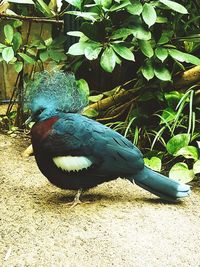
x: 138, y: 59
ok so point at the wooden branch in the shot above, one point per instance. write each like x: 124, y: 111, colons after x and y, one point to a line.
x: 187, y: 78
x: 109, y: 101
x: 34, y: 19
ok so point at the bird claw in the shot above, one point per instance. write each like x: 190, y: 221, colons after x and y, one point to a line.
x: 77, y: 200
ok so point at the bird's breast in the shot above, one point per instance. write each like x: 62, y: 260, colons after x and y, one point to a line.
x: 41, y: 130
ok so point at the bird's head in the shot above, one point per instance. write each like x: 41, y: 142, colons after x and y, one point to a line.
x: 53, y: 92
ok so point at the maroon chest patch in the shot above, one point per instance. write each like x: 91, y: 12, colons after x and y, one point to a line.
x: 42, y: 129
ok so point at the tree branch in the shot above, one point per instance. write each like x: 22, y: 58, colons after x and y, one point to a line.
x: 34, y: 19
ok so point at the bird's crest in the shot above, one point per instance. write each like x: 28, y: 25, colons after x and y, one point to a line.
x: 55, y: 90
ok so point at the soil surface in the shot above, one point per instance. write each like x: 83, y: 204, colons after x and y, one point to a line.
x: 122, y: 226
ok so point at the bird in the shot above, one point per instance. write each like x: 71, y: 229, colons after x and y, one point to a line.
x: 75, y: 152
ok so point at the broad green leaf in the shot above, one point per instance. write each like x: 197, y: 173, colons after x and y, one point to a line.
x: 135, y: 8
x: 149, y: 14
x: 2, y: 46
x: 106, y: 3
x: 92, y: 53
x: 181, y: 173
x: 123, y: 51
x: 76, y: 3
x: 17, y: 23
x: 146, y: 48
x: 192, y: 59
x: 184, y: 57
x: 108, y: 59
x: 83, y: 86
x: 161, y: 53
x: 56, y: 55
x: 196, y: 167
x: 176, y: 54
x: 140, y: 32
x: 77, y: 49
x: 43, y: 8
x: 18, y: 66
x: 154, y: 163
x: 44, y: 55
x: 121, y: 33
x: 116, y: 7
x: 86, y: 15
x: 174, y: 6
x: 95, y: 98
x: 148, y: 71
x: 8, y: 32
x: 17, y: 41
x: 177, y: 142
x: 188, y: 152
x: 8, y: 54
x: 27, y: 58
x: 90, y: 112
x: 162, y: 73
x: 163, y: 39
x: 94, y: 31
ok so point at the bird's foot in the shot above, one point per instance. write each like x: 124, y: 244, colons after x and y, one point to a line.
x: 77, y: 200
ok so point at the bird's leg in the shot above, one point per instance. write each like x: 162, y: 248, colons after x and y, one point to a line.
x: 77, y: 199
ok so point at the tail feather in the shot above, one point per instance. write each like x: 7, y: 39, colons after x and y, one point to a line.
x: 160, y: 185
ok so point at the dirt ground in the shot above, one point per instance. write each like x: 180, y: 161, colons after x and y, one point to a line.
x: 122, y: 226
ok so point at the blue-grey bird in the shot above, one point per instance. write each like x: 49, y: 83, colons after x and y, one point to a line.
x: 76, y: 152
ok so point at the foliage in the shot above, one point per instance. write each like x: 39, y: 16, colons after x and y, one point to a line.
x: 115, y: 31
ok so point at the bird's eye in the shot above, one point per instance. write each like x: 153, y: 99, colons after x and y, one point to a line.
x: 40, y: 111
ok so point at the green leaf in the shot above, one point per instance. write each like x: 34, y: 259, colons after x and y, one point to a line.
x: 161, y: 53
x: 196, y: 167
x: 8, y: 54
x: 177, y: 142
x: 18, y: 66
x: 92, y: 53
x: 83, y: 86
x: 117, y: 6
x: 181, y: 173
x: 135, y: 8
x: 95, y: 98
x: 27, y: 58
x: 140, y: 33
x: 94, y: 31
x: 188, y: 152
x: 17, y: 23
x: 90, y: 112
x: 149, y: 14
x: 174, y: 6
x: 75, y: 33
x: 43, y: 8
x: 121, y: 33
x: 123, y: 51
x: 106, y: 3
x: 146, y: 48
x: 77, y: 49
x: 17, y: 41
x: 56, y: 55
x: 162, y: 73
x: 76, y: 3
x: 154, y: 163
x: 86, y: 15
x: 168, y: 115
x: 184, y: 57
x: 44, y: 55
x: 8, y: 32
x: 108, y: 59
x: 148, y: 71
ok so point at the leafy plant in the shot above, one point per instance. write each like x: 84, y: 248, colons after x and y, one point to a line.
x: 114, y: 31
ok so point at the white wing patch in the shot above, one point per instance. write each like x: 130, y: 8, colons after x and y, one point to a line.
x: 72, y: 163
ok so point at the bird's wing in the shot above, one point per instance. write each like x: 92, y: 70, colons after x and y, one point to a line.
x: 91, y: 143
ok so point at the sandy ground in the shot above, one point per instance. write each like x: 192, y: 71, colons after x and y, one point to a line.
x: 122, y: 226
